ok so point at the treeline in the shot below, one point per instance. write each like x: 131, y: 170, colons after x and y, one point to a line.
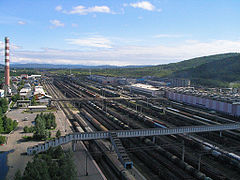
x: 214, y: 74
x: 55, y: 164
x: 43, y: 123
x: 49, y: 120
x: 15, y: 97
x: 214, y: 71
x: 3, y: 106
x: 6, y: 124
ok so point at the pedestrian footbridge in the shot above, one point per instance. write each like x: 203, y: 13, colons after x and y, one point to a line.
x: 86, y: 136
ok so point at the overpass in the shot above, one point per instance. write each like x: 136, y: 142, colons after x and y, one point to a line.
x: 115, y: 135
x: 104, y: 99
x: 86, y: 136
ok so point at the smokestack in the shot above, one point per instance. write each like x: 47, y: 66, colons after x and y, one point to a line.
x: 7, y: 74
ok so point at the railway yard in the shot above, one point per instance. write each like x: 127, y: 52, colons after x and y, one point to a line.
x: 209, y: 155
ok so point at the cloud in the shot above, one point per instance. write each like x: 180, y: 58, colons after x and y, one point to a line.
x: 126, y: 55
x: 21, y: 22
x: 57, y: 23
x: 58, y: 8
x: 168, y: 36
x: 146, y: 5
x: 82, y: 10
x: 13, y: 48
x: 98, y: 42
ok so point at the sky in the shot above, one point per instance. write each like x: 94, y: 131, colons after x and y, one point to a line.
x: 118, y: 32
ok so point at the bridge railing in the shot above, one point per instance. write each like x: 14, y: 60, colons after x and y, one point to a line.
x: 128, y: 133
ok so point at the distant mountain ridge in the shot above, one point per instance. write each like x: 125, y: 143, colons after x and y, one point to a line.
x: 215, y: 70
x: 64, y: 66
x: 219, y: 72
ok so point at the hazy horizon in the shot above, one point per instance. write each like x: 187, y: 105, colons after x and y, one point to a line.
x: 118, y: 33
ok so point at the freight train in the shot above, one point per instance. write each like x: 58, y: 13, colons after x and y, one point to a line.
x: 114, y: 119
x: 141, y: 117
x: 91, y: 119
x: 201, y: 113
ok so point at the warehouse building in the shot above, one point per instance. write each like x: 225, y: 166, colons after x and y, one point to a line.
x: 37, y: 108
x: 180, y: 82
x: 223, y: 105
x: 145, y: 89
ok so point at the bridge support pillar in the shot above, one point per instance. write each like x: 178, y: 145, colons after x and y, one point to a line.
x: 220, y: 133
x: 199, y: 162
x: 73, y: 145
x: 183, y: 151
x: 154, y: 139
x: 49, y: 103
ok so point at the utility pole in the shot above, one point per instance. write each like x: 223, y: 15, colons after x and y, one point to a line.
x: 183, y: 150
x: 199, y: 162
x: 86, y: 164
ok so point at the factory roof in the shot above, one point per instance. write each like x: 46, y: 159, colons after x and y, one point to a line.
x: 37, y: 107
x: 215, y: 94
x: 145, y: 86
x: 25, y: 90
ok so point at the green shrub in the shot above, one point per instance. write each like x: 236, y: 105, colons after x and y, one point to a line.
x: 2, y: 139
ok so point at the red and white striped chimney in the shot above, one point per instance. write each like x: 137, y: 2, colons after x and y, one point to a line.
x: 7, y: 79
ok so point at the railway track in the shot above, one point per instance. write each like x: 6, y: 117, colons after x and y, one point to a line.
x: 76, y: 86
x: 166, y: 163
x: 119, y: 171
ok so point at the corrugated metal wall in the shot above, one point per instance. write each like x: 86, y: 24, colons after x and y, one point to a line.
x: 228, y: 108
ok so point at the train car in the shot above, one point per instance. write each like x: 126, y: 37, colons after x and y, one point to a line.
x: 172, y: 109
x: 111, y: 88
x: 77, y: 127
x: 109, y: 93
x: 158, y: 124
x: 234, y: 156
x: 114, y: 119
x: 91, y: 119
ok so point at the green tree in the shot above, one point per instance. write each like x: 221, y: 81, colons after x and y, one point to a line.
x: 7, y: 124
x: 18, y: 175
x: 58, y: 134
x: 27, y: 129
x: 33, y: 101
x: 1, y: 125
x: 1, y: 113
x: 2, y: 139
x: 15, y: 123
x: 40, y: 130
x: 55, y: 164
x: 37, y: 170
x: 3, y: 104
x: 15, y: 97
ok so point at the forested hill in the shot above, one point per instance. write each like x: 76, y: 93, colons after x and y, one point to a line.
x: 214, y: 73
x: 183, y: 68
x: 195, y: 62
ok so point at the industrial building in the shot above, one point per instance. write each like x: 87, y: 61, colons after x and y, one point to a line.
x: 38, y: 92
x: 156, y: 83
x: 25, y: 92
x: 176, y: 82
x: 37, y: 108
x: 45, y: 99
x: 24, y: 76
x: 103, y: 79
x: 145, y: 89
x: 219, y: 103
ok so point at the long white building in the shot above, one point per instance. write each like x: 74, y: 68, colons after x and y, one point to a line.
x: 227, y: 107
x: 145, y: 89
